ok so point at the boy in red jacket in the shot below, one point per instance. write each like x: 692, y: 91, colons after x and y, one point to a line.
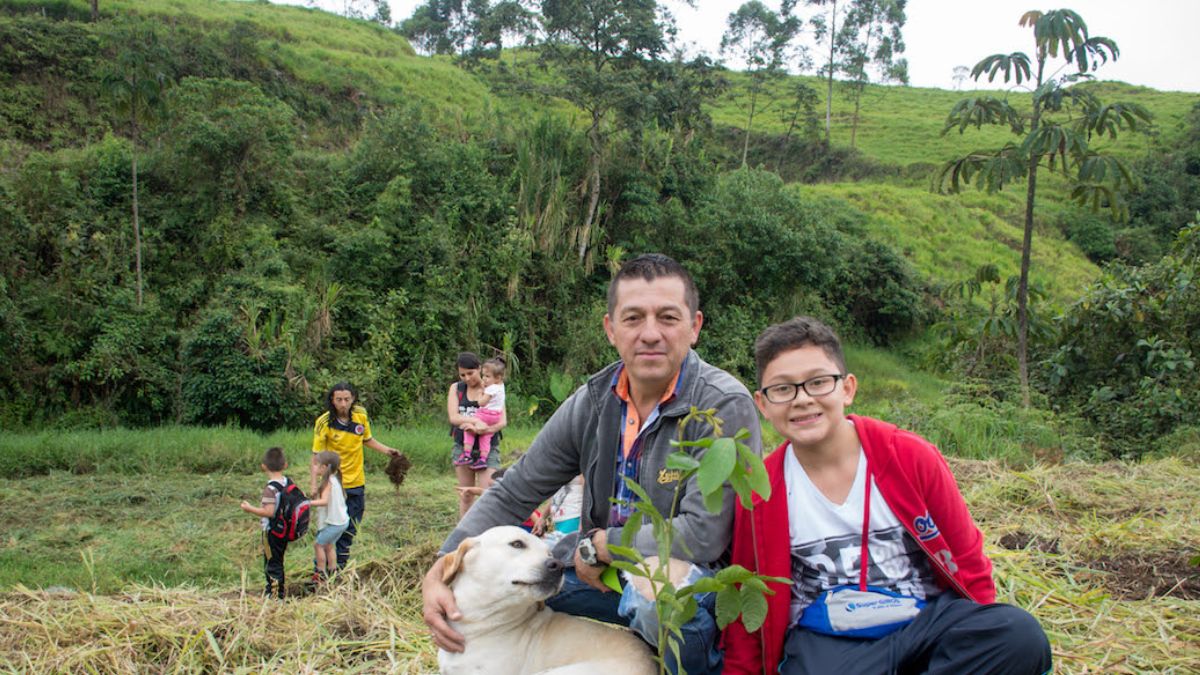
x: 848, y: 489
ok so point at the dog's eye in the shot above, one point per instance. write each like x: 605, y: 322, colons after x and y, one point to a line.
x: 517, y: 543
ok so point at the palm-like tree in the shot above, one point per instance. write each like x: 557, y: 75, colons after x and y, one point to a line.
x: 1061, y: 141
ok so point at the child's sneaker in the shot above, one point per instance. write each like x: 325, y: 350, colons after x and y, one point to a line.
x: 463, y: 459
x: 479, y: 462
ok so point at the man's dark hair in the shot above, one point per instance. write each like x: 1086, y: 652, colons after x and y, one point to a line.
x: 274, y: 459
x: 651, y: 266
x: 801, y: 331
x: 467, y: 361
x: 340, y: 386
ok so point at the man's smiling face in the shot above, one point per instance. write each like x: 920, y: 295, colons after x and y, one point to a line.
x: 652, y: 329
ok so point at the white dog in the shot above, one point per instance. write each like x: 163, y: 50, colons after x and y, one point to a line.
x: 500, y: 580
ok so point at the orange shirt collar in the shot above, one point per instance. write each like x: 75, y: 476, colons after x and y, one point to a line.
x: 622, y: 388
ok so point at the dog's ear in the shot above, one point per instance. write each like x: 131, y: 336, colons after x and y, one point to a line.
x: 454, y: 561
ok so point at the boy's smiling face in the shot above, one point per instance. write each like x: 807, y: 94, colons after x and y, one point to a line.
x: 809, y: 422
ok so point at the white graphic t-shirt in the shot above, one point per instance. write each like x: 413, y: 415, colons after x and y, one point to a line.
x: 826, y: 541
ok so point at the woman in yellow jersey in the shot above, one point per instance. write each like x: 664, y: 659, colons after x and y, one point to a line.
x: 344, y: 428
x: 461, y: 403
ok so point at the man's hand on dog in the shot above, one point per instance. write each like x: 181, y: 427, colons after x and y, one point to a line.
x: 439, y: 605
x: 591, y: 575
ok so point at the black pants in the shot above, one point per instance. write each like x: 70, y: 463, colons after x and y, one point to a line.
x: 273, y: 550
x: 951, y: 635
x: 355, y: 502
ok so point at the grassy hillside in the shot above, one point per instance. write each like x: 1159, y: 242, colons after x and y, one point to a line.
x: 948, y: 237
x: 358, y: 64
x: 903, y: 125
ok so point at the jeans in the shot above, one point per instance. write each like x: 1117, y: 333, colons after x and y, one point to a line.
x: 699, y: 652
x: 951, y: 635
x: 355, y: 502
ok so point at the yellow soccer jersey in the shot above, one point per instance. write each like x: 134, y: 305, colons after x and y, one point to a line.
x: 347, y: 441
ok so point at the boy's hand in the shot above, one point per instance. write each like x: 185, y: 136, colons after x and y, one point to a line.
x: 246, y: 506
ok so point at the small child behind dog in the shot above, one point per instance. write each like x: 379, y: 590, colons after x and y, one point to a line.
x: 490, y: 412
x: 530, y: 522
x: 563, y: 513
x: 274, y: 463
x: 332, y: 516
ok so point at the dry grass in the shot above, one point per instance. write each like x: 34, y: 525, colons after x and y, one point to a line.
x: 1094, y: 551
x: 363, y: 622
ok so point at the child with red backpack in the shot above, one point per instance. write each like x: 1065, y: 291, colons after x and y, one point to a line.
x: 284, y: 512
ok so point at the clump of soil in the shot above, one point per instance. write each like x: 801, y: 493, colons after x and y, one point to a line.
x: 1140, y: 576
x: 1019, y: 541
x: 397, y: 469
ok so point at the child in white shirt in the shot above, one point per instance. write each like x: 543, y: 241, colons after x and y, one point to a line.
x: 332, y: 516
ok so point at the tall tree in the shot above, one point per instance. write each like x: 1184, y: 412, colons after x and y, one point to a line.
x: 466, y: 27
x: 870, y: 40
x: 598, y: 49
x: 136, y: 82
x: 825, y: 31
x: 761, y: 38
x: 1058, y: 131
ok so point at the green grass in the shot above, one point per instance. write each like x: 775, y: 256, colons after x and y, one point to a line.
x: 903, y: 125
x: 948, y: 237
x: 173, y: 492
x: 204, y: 450
x: 102, y: 532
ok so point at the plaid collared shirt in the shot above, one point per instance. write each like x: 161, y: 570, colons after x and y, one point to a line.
x: 629, y: 455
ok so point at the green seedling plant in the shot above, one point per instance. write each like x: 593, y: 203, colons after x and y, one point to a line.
x: 739, y: 591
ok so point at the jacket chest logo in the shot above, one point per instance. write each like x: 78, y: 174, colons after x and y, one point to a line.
x: 667, y: 476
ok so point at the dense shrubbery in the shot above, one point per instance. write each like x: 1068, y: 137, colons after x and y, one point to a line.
x: 273, y: 269
x: 1128, y: 349
x: 296, y: 233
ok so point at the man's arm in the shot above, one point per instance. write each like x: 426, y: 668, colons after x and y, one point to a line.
x: 551, y: 462
x: 376, y: 445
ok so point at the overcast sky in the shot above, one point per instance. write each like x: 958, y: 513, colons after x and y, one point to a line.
x: 940, y: 34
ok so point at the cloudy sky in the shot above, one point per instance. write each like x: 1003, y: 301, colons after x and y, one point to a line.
x: 940, y: 34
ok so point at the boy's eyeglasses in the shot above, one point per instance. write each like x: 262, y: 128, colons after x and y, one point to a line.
x: 786, y: 392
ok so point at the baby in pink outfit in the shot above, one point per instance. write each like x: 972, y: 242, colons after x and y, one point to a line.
x: 490, y: 411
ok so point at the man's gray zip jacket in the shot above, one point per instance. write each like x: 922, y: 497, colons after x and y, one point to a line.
x: 583, y: 437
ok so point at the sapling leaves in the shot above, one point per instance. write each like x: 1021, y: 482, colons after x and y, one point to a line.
x: 716, y: 465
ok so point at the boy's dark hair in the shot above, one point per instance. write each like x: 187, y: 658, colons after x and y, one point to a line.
x: 496, y: 365
x: 274, y: 459
x: 801, y: 331
x: 467, y: 361
x: 651, y: 266
x: 340, y: 386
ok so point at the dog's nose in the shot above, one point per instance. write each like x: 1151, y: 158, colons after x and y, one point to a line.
x: 553, y: 565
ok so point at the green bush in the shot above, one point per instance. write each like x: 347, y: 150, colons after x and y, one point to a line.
x: 1091, y: 232
x: 223, y: 383
x: 1127, y: 350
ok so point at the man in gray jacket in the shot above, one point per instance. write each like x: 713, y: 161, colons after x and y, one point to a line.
x: 620, y: 424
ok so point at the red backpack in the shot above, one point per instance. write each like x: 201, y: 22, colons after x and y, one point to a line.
x: 290, y: 521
